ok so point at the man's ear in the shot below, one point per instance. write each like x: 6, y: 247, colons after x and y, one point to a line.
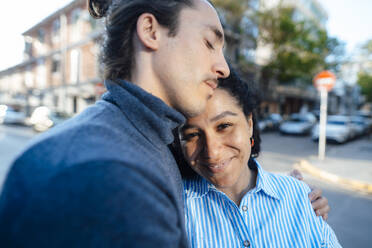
x: 148, y: 31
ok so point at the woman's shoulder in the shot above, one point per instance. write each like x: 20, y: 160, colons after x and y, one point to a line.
x: 285, y: 184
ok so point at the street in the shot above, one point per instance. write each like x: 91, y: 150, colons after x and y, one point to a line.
x: 351, y: 215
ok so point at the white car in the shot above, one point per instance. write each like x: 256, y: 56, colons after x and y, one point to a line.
x: 270, y: 123
x: 339, y: 129
x: 360, y: 124
x: 8, y: 115
x: 300, y: 124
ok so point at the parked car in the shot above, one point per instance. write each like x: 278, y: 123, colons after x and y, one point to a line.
x: 367, y: 118
x: 299, y: 124
x: 270, y: 123
x: 44, y: 118
x: 339, y: 129
x: 9, y: 115
x: 360, y: 124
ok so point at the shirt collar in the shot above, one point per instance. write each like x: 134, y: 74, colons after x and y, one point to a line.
x: 198, y: 186
x: 265, y: 183
x: 149, y: 114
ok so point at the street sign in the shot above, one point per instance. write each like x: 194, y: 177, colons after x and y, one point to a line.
x: 324, y: 79
x: 324, y: 82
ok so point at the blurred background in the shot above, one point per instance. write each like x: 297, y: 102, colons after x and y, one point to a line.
x: 49, y: 72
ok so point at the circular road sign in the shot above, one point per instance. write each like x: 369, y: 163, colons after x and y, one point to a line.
x: 324, y: 79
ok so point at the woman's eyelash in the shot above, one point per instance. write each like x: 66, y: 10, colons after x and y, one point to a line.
x: 224, y: 125
x: 189, y: 136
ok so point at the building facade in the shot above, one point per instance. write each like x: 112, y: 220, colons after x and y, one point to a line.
x: 60, y: 68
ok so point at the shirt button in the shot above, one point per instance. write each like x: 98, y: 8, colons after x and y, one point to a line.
x: 246, y: 243
x: 245, y: 208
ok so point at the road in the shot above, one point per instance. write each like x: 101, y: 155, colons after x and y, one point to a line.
x: 351, y: 214
x: 12, y: 141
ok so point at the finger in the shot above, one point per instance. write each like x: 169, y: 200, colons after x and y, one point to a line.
x: 323, y: 212
x: 296, y: 174
x: 321, y: 204
x: 325, y: 216
x: 315, y: 194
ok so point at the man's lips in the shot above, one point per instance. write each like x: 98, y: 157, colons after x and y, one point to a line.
x: 212, y: 83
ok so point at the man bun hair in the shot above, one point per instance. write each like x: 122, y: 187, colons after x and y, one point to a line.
x: 98, y: 8
x: 117, y: 51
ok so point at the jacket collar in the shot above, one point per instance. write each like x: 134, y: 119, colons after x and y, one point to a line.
x: 149, y: 114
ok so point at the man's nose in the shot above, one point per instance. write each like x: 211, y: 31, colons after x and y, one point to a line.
x: 221, y: 67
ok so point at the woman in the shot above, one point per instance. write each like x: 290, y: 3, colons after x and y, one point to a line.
x: 231, y: 201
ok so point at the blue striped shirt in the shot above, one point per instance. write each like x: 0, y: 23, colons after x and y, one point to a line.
x: 276, y: 213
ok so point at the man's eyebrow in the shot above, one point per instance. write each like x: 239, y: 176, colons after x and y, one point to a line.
x: 217, y: 32
x: 222, y: 115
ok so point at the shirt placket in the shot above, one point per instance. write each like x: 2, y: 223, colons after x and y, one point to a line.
x: 237, y: 218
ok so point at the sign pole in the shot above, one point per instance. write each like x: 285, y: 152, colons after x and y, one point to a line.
x: 322, y: 122
x: 324, y: 82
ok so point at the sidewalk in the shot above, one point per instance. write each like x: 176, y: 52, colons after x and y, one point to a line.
x: 343, y: 168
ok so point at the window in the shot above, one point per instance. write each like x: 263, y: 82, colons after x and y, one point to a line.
x: 56, y: 27
x: 75, y: 16
x: 75, y: 66
x: 56, y: 63
x: 28, y: 48
x: 41, y: 35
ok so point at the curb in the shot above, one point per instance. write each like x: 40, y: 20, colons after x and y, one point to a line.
x: 360, y: 186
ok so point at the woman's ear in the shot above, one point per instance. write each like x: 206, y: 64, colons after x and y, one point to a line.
x: 250, y: 125
x: 148, y: 31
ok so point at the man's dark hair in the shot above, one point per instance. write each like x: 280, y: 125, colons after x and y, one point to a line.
x: 247, y: 96
x: 122, y: 15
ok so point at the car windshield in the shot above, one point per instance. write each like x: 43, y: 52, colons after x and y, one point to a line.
x: 358, y: 122
x: 337, y: 122
x: 298, y: 119
x: 60, y: 115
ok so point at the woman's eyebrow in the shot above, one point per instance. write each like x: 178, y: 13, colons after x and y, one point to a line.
x: 187, y: 126
x: 222, y: 115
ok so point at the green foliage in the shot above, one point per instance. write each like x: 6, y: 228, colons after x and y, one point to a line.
x: 367, y: 47
x: 233, y: 11
x: 299, y: 48
x: 365, y: 82
x: 235, y: 7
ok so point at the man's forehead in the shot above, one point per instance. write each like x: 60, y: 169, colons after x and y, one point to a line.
x: 203, y: 13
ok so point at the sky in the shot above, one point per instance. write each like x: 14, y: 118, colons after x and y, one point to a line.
x: 349, y: 20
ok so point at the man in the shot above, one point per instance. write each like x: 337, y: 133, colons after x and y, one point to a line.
x: 107, y: 177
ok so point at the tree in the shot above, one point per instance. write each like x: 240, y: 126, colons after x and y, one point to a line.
x: 241, y: 31
x: 299, y: 47
x: 367, y: 47
x: 233, y: 11
x: 365, y: 82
